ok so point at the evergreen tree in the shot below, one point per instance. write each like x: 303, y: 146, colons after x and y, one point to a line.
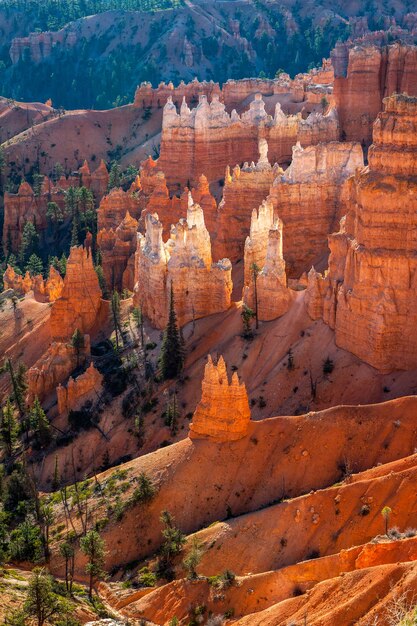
x: 29, y: 242
x: 71, y: 202
x: 55, y: 216
x: 172, y: 545
x: 9, y: 428
x: 247, y: 315
x: 101, y: 280
x: 93, y: 546
x: 68, y: 553
x: 34, y: 265
x: 75, y: 235
x: 41, y: 603
x: 171, y: 360
x: 193, y: 558
x: 19, y: 386
x: 37, y: 184
x: 115, y: 307
x: 77, y: 342
x: 56, y: 480
x: 63, y: 265
x: 39, y: 423
x: 114, y: 176
x: 58, y: 171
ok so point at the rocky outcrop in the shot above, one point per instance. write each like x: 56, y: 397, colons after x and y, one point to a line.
x: 79, y: 390
x: 368, y: 294
x: 364, y: 76
x: 256, y: 244
x: 54, y: 367
x: 49, y: 289
x: 244, y: 189
x: 170, y: 209
x: 234, y: 92
x: 223, y: 413
x: 114, y: 206
x: 38, y: 46
x: 117, y: 248
x: 99, y: 181
x: 146, y: 96
x: 201, y: 287
x: 265, y: 280
x: 206, y: 139
x: 26, y: 206
x: 80, y: 301
x: 309, y: 197
x: 21, y: 208
x: 20, y: 284
x: 44, y: 290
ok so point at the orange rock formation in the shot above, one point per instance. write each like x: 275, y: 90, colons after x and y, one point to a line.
x: 243, y: 191
x: 79, y: 390
x: 266, y: 284
x: 308, y: 197
x: 114, y: 206
x: 45, y: 290
x: 368, y: 294
x: 364, y: 77
x: 201, y: 287
x: 25, y: 206
x: 223, y: 413
x: 80, y: 301
x: 54, y: 367
x: 206, y: 139
x: 118, y: 248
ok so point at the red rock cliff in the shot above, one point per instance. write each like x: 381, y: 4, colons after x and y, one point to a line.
x: 368, y: 294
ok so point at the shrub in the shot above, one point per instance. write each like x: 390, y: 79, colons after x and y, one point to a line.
x: 365, y: 510
x: 144, y: 491
x: 328, y: 366
x: 146, y: 578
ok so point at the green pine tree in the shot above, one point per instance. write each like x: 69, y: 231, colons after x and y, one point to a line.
x: 40, y: 425
x: 114, y: 176
x: 71, y: 202
x: 37, y: 184
x: 77, y: 342
x: 101, y: 280
x: 93, y: 546
x: 9, y: 428
x: 171, y: 360
x: 115, y: 307
x: 34, y: 265
x: 75, y: 235
x: 29, y: 242
x: 63, y: 265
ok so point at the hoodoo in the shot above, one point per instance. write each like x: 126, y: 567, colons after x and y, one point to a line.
x: 368, y: 294
x: 223, y: 413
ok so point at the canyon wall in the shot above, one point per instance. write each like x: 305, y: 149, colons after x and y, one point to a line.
x: 368, y: 294
x: 206, y: 139
x: 364, y: 75
x: 184, y: 263
x: 309, y: 197
x: 244, y: 189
